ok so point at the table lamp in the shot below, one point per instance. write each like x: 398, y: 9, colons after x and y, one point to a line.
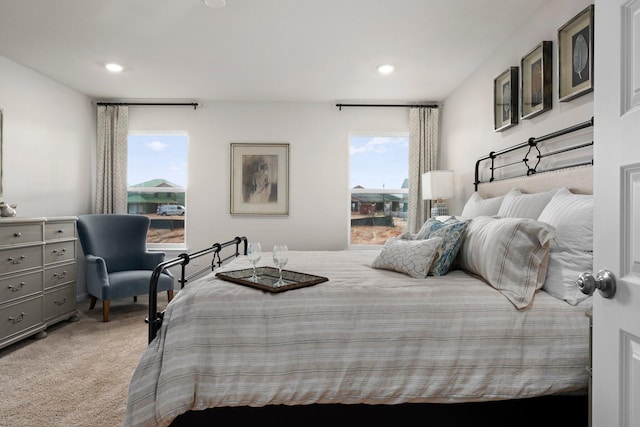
x: 437, y: 185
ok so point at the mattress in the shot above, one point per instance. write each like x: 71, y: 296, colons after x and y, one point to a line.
x: 365, y: 336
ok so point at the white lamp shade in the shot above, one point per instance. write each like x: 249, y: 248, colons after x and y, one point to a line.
x: 437, y: 185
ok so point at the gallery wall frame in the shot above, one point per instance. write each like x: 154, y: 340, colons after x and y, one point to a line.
x: 505, y: 99
x: 536, y: 81
x: 259, y: 178
x: 575, y: 56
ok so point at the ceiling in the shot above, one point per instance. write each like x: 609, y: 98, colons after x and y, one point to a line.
x: 259, y: 50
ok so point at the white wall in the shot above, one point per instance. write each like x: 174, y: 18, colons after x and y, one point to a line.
x: 48, y: 147
x: 319, y: 162
x: 467, y: 117
x: 48, y: 140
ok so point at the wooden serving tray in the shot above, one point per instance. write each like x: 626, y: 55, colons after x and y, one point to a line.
x: 268, y: 276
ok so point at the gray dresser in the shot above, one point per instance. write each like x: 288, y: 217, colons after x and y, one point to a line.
x: 37, y: 275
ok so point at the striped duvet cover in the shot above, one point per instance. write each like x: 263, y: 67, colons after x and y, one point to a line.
x: 365, y: 336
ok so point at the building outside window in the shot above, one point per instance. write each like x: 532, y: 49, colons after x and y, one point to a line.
x: 379, y: 186
x: 157, y: 184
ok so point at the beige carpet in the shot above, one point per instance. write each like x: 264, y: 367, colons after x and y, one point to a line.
x: 79, y: 374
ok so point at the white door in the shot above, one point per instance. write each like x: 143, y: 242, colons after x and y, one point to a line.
x: 616, y: 321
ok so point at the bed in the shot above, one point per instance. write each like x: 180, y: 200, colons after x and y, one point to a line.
x: 423, y: 321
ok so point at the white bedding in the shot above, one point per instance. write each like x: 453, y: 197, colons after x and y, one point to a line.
x: 365, y: 336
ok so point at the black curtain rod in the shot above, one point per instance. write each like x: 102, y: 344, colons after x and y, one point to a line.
x: 160, y: 104
x: 387, y: 105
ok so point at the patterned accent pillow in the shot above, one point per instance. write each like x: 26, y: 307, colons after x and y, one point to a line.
x: 511, y: 254
x: 452, y: 233
x: 412, y: 257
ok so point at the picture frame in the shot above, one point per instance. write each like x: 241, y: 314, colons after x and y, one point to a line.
x: 575, y: 56
x: 536, y: 81
x: 505, y: 99
x: 259, y: 178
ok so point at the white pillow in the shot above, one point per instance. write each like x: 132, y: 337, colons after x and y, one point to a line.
x: 572, y: 215
x: 477, y: 206
x: 572, y: 250
x: 509, y: 253
x: 563, y: 271
x: 412, y: 257
x: 519, y: 205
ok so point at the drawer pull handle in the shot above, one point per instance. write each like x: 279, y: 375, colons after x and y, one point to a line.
x: 61, y: 275
x: 17, y: 288
x: 17, y: 234
x: 58, y: 302
x: 61, y: 230
x: 59, y: 253
x: 19, y: 260
x: 18, y: 319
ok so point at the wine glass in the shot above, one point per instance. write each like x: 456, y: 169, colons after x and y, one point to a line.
x: 280, y: 259
x: 254, y: 252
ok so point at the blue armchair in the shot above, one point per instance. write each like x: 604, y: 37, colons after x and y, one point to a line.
x: 118, y: 264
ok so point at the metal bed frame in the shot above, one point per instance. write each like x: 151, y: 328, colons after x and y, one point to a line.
x: 533, y: 154
x: 155, y: 317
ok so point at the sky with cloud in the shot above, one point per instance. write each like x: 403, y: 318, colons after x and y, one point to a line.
x: 157, y: 157
x: 378, y: 162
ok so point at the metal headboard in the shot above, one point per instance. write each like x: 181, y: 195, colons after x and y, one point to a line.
x: 533, y: 156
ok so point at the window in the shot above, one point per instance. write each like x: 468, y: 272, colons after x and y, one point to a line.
x: 379, y: 187
x: 157, y: 184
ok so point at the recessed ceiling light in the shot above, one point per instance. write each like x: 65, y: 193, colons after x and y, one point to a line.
x: 215, y: 4
x: 385, y: 69
x: 114, y: 68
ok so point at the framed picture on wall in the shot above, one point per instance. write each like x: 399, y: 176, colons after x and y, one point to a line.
x: 505, y: 99
x: 575, y: 56
x: 536, y: 81
x: 259, y: 179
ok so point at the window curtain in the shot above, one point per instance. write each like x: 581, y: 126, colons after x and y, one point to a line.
x: 423, y: 157
x: 111, y: 153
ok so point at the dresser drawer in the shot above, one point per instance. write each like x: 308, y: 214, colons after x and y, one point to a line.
x: 22, y: 258
x: 17, y: 233
x: 59, y: 230
x: 61, y: 251
x: 20, y: 286
x: 18, y: 317
x: 59, y: 302
x: 55, y: 276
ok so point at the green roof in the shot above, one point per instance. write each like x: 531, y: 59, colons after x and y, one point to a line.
x: 159, y: 182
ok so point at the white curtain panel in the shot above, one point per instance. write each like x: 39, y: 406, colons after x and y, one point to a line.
x: 423, y: 156
x: 111, y: 152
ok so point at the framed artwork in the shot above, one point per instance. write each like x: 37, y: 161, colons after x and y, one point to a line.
x: 259, y: 179
x: 505, y: 99
x: 536, y: 81
x: 575, y: 56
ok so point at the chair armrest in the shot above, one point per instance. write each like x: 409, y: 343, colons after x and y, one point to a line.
x: 96, y: 271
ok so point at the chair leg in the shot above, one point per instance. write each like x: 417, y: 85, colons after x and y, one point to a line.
x: 170, y: 294
x: 105, y: 310
x: 93, y: 303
